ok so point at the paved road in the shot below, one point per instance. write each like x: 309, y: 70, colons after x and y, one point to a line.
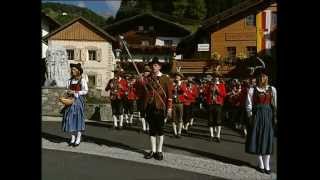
x: 230, y: 150
x: 75, y: 166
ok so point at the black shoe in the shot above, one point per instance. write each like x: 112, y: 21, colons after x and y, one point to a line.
x: 120, y: 128
x: 211, y: 139
x: 75, y: 144
x: 159, y: 156
x: 260, y: 170
x: 70, y: 144
x: 217, y: 140
x: 179, y: 136
x: 267, y: 171
x: 150, y: 155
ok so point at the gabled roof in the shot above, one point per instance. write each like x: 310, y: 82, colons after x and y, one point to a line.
x: 239, y: 11
x: 50, y: 20
x: 98, y: 29
x: 123, y: 21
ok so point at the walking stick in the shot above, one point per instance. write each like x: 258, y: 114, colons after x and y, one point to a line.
x: 137, y: 70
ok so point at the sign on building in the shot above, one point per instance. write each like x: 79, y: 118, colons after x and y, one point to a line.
x: 203, y: 47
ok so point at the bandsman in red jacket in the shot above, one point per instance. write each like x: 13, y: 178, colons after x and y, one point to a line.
x: 179, y: 98
x: 214, y: 95
x: 131, y: 98
x: 141, y: 93
x: 189, y: 103
x: 117, y: 87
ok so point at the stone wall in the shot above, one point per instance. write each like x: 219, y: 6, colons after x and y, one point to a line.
x: 96, y: 106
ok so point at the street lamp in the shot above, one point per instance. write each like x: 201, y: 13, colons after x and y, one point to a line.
x: 118, y: 51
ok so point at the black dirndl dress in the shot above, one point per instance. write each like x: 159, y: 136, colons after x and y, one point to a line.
x: 260, y: 132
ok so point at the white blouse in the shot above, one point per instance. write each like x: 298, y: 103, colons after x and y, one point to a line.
x: 84, y: 87
x: 250, y: 94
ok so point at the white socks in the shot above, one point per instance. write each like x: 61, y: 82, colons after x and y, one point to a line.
x: 187, y: 126
x: 127, y: 119
x: 174, y: 128
x: 260, y: 162
x: 115, y: 123
x: 143, y: 121
x: 78, y: 137
x: 180, y: 128
x: 131, y: 118
x: 160, y: 143
x: 121, y: 120
x: 153, y: 143
x: 218, y: 131
x: 73, y: 138
x: 147, y: 126
x: 211, y: 131
x: 266, y: 161
x: 191, y: 121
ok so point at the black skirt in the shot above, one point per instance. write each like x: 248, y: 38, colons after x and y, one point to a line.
x: 260, y: 131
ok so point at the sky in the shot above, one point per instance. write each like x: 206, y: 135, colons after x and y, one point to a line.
x: 103, y: 7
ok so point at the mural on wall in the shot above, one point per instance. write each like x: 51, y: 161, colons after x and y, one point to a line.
x: 57, y: 66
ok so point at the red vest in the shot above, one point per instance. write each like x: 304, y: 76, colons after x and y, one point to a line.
x: 262, y: 97
x: 220, y: 94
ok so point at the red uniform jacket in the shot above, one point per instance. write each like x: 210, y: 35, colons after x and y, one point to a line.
x: 139, y: 87
x: 117, y: 88
x: 181, y: 92
x: 132, y: 95
x: 191, y: 94
x: 221, y: 93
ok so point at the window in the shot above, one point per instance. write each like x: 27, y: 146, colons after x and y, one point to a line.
x: 92, y: 55
x: 140, y: 28
x: 168, y: 42
x: 92, y: 81
x: 151, y: 28
x: 145, y: 43
x: 251, y: 51
x: 70, y: 53
x: 251, y: 20
x: 232, y: 51
x: 273, y: 19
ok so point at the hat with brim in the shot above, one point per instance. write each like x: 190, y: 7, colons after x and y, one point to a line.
x: 147, y: 69
x: 155, y: 60
x: 260, y: 71
x: 77, y: 66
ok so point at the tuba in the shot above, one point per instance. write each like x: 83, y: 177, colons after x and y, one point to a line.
x: 214, y: 93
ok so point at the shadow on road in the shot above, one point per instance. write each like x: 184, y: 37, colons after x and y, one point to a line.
x: 213, y: 156
x: 99, y: 141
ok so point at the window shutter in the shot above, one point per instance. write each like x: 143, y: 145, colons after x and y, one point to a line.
x: 77, y: 54
x: 99, y: 55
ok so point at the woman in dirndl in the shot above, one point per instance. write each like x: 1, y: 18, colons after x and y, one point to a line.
x: 261, y: 108
x: 73, y: 118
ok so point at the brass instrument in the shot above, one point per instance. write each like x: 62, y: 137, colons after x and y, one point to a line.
x: 175, y: 93
x: 214, y: 93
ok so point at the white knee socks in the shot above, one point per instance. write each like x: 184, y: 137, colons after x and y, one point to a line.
x: 211, y: 131
x: 131, y: 118
x: 174, y: 128
x: 121, y: 120
x: 260, y: 162
x: 218, y: 131
x: 153, y: 143
x: 143, y: 121
x: 73, y: 138
x: 180, y: 128
x: 191, y: 121
x: 78, y: 137
x: 147, y: 126
x: 160, y: 143
x: 266, y: 161
x: 115, y: 121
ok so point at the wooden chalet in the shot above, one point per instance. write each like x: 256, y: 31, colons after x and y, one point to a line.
x: 147, y: 36
x: 241, y: 32
x: 89, y: 45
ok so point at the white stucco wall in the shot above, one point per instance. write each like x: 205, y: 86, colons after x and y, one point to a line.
x: 102, y: 69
